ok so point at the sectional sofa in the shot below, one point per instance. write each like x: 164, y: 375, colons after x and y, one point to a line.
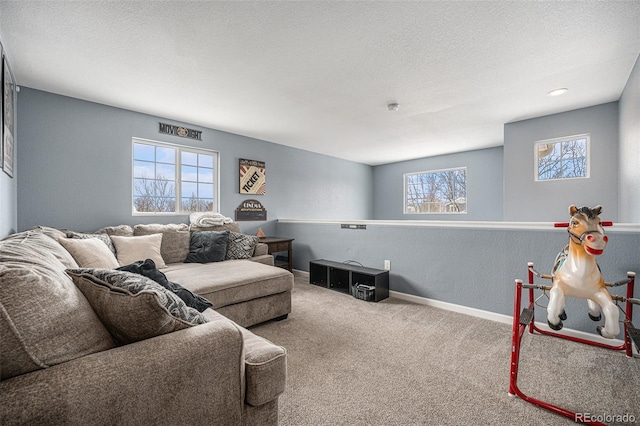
x: 83, y: 343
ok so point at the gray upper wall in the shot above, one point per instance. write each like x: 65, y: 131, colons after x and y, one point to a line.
x: 629, y: 156
x: 548, y: 201
x: 74, y: 169
x: 484, y: 185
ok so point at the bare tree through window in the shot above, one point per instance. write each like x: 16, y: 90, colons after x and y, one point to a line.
x: 173, y: 179
x: 154, y: 195
x: 440, y: 191
x: 562, y: 159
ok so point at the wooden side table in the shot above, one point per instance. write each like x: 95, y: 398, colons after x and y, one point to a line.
x: 277, y: 247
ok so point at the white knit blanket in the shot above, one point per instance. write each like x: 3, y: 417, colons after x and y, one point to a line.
x: 203, y: 219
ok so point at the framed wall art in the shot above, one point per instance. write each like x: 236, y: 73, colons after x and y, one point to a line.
x: 8, y: 117
x: 253, y: 178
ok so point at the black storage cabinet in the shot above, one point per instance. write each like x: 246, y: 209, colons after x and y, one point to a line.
x: 341, y: 276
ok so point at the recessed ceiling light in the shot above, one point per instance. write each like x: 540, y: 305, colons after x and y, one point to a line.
x: 558, y: 92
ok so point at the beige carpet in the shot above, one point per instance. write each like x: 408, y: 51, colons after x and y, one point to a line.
x: 395, y: 363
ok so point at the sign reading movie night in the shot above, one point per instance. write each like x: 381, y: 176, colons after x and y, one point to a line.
x: 251, y: 210
x: 183, y: 132
x: 253, y: 178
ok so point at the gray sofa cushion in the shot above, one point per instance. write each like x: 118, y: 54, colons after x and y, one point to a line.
x: 62, y: 255
x: 231, y: 281
x: 231, y: 227
x: 119, y: 230
x: 44, y: 319
x: 175, y: 239
x: 133, y: 307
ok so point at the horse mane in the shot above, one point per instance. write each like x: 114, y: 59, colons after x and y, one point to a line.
x: 589, y: 213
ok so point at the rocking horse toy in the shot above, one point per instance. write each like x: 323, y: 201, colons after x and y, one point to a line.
x: 575, y: 273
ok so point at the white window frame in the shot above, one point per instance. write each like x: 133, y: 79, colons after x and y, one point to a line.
x: 178, y: 178
x: 446, y: 212
x: 537, y: 144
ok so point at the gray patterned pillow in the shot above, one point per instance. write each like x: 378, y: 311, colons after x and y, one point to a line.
x: 102, y: 237
x: 241, y: 246
x: 133, y: 307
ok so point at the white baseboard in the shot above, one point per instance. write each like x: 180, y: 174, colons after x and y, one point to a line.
x: 299, y: 272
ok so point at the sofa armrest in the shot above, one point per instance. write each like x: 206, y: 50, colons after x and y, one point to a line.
x: 265, y: 369
x: 191, y: 376
x: 261, y: 249
x: 267, y: 259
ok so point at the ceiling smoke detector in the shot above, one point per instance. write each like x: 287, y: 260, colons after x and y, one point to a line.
x: 393, y: 106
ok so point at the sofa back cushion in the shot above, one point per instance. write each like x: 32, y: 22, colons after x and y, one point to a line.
x: 175, y: 239
x: 62, y: 255
x: 231, y: 227
x: 44, y: 319
x: 119, y: 230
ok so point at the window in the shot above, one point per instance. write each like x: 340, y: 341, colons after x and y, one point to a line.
x: 173, y: 179
x: 438, y: 191
x: 564, y: 158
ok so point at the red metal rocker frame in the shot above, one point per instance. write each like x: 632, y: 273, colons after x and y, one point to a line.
x: 526, y: 319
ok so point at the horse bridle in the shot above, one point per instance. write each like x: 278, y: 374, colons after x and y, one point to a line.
x: 582, y: 236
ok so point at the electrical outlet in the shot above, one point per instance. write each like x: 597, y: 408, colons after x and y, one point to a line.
x: 387, y: 265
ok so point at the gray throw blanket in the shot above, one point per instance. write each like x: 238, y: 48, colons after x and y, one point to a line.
x: 148, y: 269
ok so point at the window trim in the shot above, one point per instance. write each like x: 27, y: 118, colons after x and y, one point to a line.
x: 179, y: 148
x: 404, y: 192
x: 586, y: 136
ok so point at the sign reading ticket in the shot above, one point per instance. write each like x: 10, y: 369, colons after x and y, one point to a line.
x: 253, y: 178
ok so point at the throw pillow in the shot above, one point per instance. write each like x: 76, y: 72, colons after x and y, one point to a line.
x: 207, y: 246
x: 148, y: 269
x: 132, y: 249
x: 102, y: 237
x: 175, y: 239
x: 90, y: 253
x: 241, y: 246
x: 133, y: 307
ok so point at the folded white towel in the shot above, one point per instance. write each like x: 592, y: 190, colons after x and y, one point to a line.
x: 203, y: 219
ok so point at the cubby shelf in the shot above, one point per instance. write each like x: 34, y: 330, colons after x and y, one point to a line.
x: 341, y: 276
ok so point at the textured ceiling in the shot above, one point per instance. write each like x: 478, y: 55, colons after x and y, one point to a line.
x: 318, y: 75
